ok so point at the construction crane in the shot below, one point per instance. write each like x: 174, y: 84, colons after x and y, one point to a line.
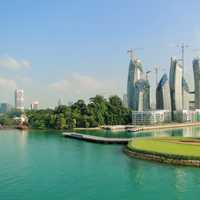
x: 182, y: 46
x: 157, y: 68
x: 130, y: 52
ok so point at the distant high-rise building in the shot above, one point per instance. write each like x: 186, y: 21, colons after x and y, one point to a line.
x: 186, y: 95
x: 163, y: 99
x: 125, y: 100
x: 35, y: 105
x: 135, y: 73
x: 196, y: 70
x: 5, y: 108
x: 175, y: 82
x: 19, y: 99
x: 142, y: 95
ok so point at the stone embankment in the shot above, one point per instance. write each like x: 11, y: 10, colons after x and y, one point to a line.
x: 164, y: 158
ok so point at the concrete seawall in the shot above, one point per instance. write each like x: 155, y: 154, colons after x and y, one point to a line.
x: 96, y: 139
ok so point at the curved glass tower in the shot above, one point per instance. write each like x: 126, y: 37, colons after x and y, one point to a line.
x: 163, y: 99
x: 186, y: 95
x: 196, y: 70
x: 175, y: 83
x: 142, y: 95
x: 134, y: 74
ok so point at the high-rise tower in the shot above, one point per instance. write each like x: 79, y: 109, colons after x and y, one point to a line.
x: 175, y: 82
x: 196, y: 70
x: 142, y: 95
x: 186, y: 95
x: 135, y: 73
x: 163, y: 99
x: 19, y: 99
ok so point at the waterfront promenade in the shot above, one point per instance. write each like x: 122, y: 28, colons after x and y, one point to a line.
x: 172, y: 125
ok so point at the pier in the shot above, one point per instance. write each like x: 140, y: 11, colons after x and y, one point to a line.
x: 96, y: 139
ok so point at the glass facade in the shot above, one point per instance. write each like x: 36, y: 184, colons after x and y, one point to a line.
x: 175, y: 82
x: 138, y: 89
x: 196, y: 70
x: 163, y: 99
x: 142, y: 97
x: 186, y: 95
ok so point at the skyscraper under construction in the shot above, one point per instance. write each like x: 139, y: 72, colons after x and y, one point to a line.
x: 175, y: 82
x: 196, y: 70
x: 134, y: 74
x: 186, y: 95
x: 142, y: 95
x: 163, y: 99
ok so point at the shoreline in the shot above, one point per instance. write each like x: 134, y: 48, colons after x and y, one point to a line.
x: 141, y: 128
x: 163, y: 158
x: 168, y: 126
x: 124, y: 128
x: 88, y: 129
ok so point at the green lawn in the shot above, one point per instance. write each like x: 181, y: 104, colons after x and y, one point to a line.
x: 166, y: 145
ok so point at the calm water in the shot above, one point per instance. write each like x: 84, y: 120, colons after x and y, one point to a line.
x: 44, y: 165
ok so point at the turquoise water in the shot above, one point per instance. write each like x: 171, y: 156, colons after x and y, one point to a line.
x: 43, y: 165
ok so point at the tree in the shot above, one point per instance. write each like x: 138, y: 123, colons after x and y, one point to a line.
x: 99, y: 111
x: 60, y: 121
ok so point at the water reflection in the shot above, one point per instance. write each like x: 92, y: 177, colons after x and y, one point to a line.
x: 178, y: 132
x: 191, y: 132
x: 174, y: 181
x: 160, y: 133
x: 180, y: 180
x: 23, y: 138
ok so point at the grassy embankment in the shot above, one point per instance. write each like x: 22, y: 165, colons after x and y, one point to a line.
x: 170, y: 146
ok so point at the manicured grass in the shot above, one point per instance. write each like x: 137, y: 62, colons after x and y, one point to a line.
x: 174, y: 146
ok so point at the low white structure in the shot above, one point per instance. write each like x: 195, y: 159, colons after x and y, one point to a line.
x: 151, y: 117
x: 187, y: 115
x: 22, y: 119
x: 35, y: 105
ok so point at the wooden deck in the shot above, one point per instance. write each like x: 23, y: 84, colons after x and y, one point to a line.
x: 96, y: 139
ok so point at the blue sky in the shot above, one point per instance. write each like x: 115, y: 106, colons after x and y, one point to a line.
x: 76, y: 49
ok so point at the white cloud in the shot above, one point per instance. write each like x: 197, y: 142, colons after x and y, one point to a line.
x: 81, y: 86
x: 72, y: 87
x: 7, y: 84
x: 12, y: 63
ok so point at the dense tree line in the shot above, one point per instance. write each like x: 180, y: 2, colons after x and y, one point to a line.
x: 8, y: 118
x: 99, y: 111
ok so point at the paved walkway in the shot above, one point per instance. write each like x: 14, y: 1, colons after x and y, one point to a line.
x: 97, y: 139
